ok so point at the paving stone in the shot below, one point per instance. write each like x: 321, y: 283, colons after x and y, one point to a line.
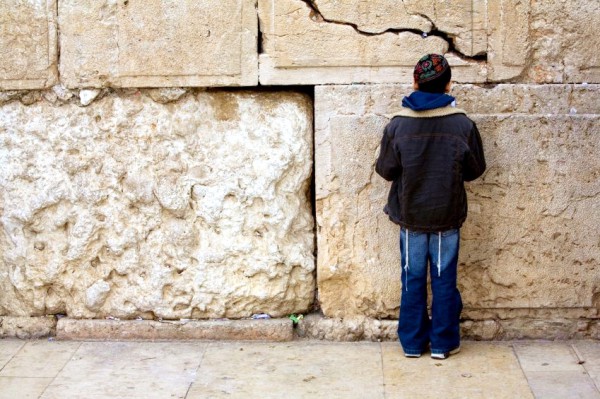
x: 562, y: 384
x: 22, y: 388
x: 40, y: 359
x: 128, y: 370
x: 589, y: 353
x: 8, y: 349
x: 478, y: 371
x: 547, y: 357
x: 300, y: 370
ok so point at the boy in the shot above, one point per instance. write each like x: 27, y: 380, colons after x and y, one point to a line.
x: 428, y: 150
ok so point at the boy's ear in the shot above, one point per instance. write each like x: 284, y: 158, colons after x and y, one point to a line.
x: 448, y: 86
x: 415, y: 85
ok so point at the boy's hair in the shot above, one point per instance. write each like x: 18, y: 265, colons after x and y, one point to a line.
x: 432, y: 73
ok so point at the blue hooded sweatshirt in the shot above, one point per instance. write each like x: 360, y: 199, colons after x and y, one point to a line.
x: 421, y: 101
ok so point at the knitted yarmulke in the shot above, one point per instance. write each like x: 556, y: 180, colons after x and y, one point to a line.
x: 430, y: 67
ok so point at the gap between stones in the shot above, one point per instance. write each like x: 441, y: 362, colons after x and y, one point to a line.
x: 433, y: 32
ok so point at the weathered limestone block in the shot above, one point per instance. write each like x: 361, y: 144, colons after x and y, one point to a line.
x: 28, y: 50
x: 508, y: 42
x: 196, y: 208
x: 121, y: 330
x: 27, y: 327
x: 532, y: 221
x: 157, y: 43
x: 329, y: 41
x: 318, y: 42
x: 565, y: 37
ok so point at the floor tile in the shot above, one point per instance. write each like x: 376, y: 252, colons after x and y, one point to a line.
x: 22, y: 388
x: 589, y: 353
x: 40, y: 359
x: 128, y: 370
x: 547, y: 356
x: 8, y: 349
x: 480, y: 370
x: 290, y: 370
x: 562, y: 384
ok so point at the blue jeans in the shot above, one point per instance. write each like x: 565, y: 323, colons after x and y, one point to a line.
x: 415, y: 329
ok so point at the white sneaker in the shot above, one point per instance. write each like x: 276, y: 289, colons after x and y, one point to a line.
x: 446, y: 355
x: 412, y: 355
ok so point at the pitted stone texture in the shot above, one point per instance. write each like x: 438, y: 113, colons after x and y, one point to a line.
x: 28, y: 51
x: 565, y: 37
x: 193, y: 209
x: 531, y: 222
x: 158, y: 43
x: 27, y: 327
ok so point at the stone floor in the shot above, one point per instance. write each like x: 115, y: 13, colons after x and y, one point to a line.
x: 297, y: 369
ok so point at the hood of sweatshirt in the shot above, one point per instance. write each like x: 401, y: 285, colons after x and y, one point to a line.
x: 421, y: 101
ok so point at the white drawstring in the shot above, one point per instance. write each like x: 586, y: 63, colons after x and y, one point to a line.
x: 439, y: 262
x: 406, y: 258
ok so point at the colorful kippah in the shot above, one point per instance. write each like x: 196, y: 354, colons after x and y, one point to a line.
x: 430, y: 67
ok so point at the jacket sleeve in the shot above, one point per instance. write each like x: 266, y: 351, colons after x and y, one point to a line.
x: 474, y: 163
x: 388, y: 163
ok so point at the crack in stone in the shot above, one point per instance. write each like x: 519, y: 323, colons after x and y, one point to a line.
x: 434, y: 31
x: 319, y: 16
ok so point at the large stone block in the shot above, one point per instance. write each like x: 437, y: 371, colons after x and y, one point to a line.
x: 149, y: 43
x: 531, y: 238
x: 565, y: 37
x: 327, y: 41
x: 196, y: 208
x: 28, y: 50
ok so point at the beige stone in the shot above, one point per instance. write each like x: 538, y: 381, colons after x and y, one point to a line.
x: 190, y: 43
x: 28, y: 49
x: 565, y: 37
x: 530, y: 222
x: 317, y: 42
x: 554, y: 370
x: 266, y: 330
x: 294, y: 369
x: 301, y: 47
x: 27, y: 327
x: 8, y: 349
x: 508, y: 46
x: 40, y: 359
x: 18, y: 387
x: 130, y: 208
x: 353, y: 328
x: 478, y: 371
x: 120, y: 370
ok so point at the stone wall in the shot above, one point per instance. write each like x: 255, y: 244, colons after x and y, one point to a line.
x: 146, y: 174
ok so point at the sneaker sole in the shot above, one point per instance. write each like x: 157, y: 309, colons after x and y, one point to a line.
x: 442, y: 356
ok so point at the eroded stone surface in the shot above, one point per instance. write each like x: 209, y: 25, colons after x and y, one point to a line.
x: 302, y: 46
x: 379, y: 42
x: 192, y: 209
x: 191, y: 43
x: 565, y: 37
x: 28, y: 51
x: 530, y: 225
x: 244, y: 330
x: 26, y: 327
